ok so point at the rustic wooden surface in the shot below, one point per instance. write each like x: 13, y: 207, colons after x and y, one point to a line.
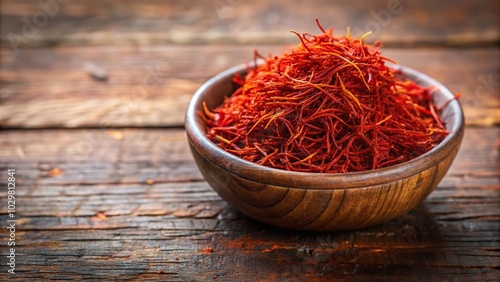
x: 91, y: 117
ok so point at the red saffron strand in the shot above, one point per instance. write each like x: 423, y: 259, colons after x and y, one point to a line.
x: 330, y: 105
x: 301, y: 39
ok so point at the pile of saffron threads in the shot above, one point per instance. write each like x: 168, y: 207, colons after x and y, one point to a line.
x: 330, y: 105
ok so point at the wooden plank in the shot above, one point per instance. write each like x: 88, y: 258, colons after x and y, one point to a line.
x: 90, y: 22
x: 100, y: 218
x: 151, y: 86
x: 134, y: 156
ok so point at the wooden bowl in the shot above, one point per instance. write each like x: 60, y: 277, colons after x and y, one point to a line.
x: 320, y: 201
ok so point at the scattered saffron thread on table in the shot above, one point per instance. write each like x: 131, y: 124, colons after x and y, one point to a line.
x: 207, y: 250
x: 329, y: 105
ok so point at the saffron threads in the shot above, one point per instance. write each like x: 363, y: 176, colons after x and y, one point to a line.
x: 330, y: 105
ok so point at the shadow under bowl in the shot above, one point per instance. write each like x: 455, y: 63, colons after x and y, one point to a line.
x: 320, y: 201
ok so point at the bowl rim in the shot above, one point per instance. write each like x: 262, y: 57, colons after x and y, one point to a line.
x: 314, y: 180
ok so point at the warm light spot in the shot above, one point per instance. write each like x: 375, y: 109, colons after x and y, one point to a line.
x: 55, y: 171
x: 116, y: 134
x: 100, y: 216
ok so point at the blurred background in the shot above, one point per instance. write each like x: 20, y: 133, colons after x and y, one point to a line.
x: 126, y: 22
x: 74, y: 63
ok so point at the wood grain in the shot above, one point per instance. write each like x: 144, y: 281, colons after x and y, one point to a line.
x: 94, y: 156
x: 100, y: 219
x: 109, y: 22
x: 151, y: 86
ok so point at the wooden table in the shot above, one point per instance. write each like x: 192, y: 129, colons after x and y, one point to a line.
x: 92, y: 103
